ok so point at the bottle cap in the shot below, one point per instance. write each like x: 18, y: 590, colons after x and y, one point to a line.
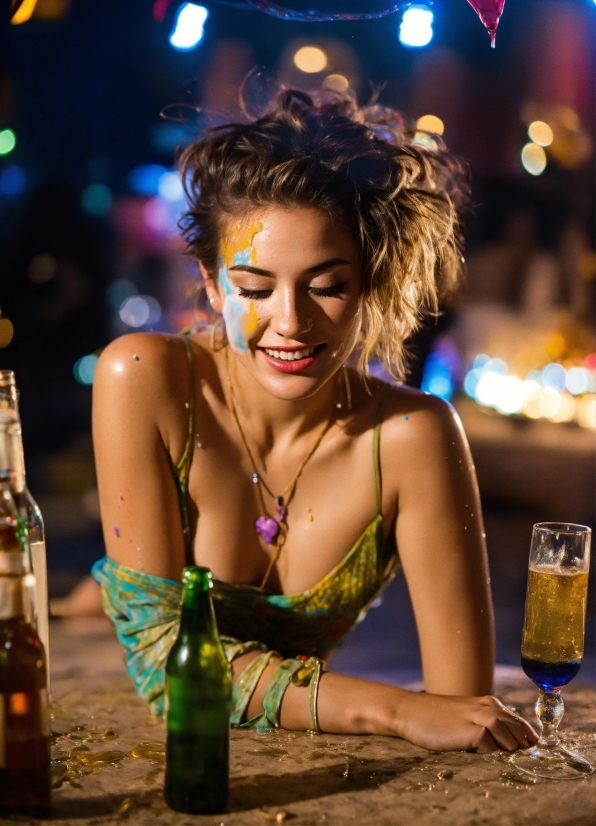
x: 11, y: 563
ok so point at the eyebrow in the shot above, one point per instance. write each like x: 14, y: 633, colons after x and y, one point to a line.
x: 324, y: 265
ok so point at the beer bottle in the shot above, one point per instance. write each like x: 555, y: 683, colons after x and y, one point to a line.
x: 12, y: 462
x: 198, y: 704
x: 24, y: 713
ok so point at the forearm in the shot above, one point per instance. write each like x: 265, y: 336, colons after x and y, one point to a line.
x: 350, y: 706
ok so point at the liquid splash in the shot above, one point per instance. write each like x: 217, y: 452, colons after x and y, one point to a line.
x: 489, y: 11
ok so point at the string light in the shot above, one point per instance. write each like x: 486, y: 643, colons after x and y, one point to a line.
x: 416, y: 29
x: 188, y: 28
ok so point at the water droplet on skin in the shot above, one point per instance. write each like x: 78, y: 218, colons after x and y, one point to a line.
x: 187, y: 405
x: 136, y: 358
x: 484, y: 536
x: 116, y: 531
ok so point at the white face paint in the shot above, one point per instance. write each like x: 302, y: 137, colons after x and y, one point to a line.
x: 239, y: 314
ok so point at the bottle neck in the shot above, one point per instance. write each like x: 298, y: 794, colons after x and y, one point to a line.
x: 197, y: 612
x: 12, y: 455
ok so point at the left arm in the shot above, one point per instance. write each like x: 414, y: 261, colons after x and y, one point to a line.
x: 440, y: 538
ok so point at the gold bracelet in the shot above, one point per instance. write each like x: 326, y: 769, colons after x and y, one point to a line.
x: 313, y: 696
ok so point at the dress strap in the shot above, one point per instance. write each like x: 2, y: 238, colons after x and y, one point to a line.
x: 183, y: 465
x: 377, y: 456
x: 182, y: 470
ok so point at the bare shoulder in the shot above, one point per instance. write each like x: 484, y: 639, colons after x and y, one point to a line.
x: 143, y: 377
x: 417, y: 424
x: 140, y: 356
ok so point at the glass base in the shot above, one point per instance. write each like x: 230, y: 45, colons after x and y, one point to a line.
x: 552, y: 762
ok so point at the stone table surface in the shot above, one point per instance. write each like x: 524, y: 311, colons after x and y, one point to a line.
x: 108, y: 761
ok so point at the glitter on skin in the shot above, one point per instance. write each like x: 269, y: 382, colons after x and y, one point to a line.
x: 241, y: 322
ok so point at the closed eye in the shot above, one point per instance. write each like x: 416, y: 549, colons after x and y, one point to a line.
x: 333, y: 289
x: 254, y: 295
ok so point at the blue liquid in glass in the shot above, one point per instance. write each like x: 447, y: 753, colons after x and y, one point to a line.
x: 549, y: 676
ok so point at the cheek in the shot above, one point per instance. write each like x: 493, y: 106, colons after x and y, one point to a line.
x: 240, y: 316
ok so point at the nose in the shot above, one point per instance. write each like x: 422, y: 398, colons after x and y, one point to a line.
x: 291, y: 319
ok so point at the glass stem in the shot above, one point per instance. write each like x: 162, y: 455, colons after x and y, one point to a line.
x: 549, y: 710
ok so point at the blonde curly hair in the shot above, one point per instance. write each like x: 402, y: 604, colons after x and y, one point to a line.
x: 360, y: 165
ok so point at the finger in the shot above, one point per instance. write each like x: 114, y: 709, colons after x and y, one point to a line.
x: 485, y: 743
x: 521, y: 730
x: 503, y: 735
x: 489, y: 700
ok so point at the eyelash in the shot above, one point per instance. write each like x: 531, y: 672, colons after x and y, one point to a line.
x: 319, y: 292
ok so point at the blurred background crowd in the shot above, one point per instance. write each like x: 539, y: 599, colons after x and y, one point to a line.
x: 90, y: 249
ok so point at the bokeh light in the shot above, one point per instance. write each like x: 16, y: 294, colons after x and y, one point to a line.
x: 430, y: 123
x: 140, y: 311
x: 84, y: 369
x: 42, y: 268
x: 553, y: 393
x: 310, y: 59
x: 578, y: 380
x: 6, y: 332
x: 118, y: 291
x: 541, y: 133
x: 144, y: 180
x: 337, y: 83
x: 415, y: 29
x: 12, y: 181
x: 96, y: 199
x: 554, y: 375
x: 188, y: 28
x: 169, y: 186
x: 8, y: 141
x: 533, y: 158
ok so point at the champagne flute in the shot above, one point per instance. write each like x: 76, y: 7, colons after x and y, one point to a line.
x: 553, y: 640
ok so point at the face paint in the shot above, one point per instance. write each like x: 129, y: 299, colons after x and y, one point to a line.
x: 240, y: 318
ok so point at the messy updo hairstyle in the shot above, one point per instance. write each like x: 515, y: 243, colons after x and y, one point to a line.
x: 360, y: 165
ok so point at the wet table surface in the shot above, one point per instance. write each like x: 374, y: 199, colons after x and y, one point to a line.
x: 108, y: 761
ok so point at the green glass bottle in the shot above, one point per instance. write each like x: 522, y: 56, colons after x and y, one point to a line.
x: 198, y: 705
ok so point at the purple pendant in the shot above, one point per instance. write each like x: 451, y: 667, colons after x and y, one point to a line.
x: 267, y: 528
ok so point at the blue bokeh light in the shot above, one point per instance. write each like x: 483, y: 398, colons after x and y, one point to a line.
x: 84, y: 369
x: 188, y: 28
x: 416, y: 27
x: 144, y: 180
x: 12, y: 181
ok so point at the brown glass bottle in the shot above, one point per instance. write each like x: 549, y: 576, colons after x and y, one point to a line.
x: 24, y: 714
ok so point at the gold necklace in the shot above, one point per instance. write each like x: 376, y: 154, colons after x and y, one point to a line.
x: 272, y: 530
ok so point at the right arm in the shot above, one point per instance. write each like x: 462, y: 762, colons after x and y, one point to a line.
x: 139, y: 425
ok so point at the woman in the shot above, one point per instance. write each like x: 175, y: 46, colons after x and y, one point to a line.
x: 320, y: 230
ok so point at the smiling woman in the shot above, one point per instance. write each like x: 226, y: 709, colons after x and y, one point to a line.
x: 323, y: 234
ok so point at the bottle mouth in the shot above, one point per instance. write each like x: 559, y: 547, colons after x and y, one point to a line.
x: 196, y: 575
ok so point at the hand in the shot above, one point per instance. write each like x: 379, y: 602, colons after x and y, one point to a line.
x: 445, y: 723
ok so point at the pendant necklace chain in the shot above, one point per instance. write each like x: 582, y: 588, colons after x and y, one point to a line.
x: 273, y: 531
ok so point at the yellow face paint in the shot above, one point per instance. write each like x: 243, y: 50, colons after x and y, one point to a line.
x: 250, y: 321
